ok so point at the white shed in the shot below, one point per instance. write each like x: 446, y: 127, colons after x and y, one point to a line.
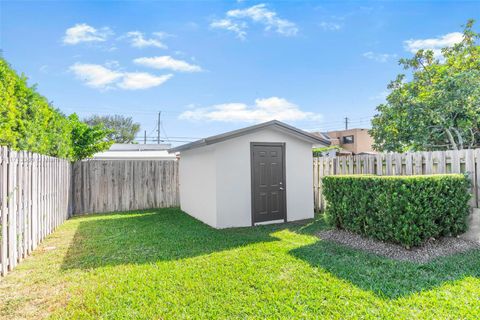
x: 259, y: 174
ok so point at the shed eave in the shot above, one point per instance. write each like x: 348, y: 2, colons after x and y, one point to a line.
x: 300, y: 134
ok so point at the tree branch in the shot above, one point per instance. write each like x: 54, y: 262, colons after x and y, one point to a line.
x: 460, y: 138
x: 451, y: 139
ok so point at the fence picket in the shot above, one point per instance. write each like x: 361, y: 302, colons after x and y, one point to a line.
x: 33, y: 202
x: 410, y: 163
x: 470, y: 171
x: 4, y: 210
x: 120, y: 185
x: 477, y: 175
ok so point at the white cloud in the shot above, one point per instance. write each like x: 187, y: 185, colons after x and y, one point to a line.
x: 379, y: 57
x: 167, y: 62
x: 82, y: 32
x: 434, y: 44
x: 263, y: 110
x: 330, y: 26
x: 138, y: 40
x: 236, y: 27
x: 100, y: 77
x: 94, y: 75
x: 142, y: 80
x: 236, y: 21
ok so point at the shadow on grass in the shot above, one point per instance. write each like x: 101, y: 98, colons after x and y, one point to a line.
x: 385, y: 277
x: 169, y: 234
x: 149, y: 236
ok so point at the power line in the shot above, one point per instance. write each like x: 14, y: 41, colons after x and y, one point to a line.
x: 172, y: 137
x: 164, y: 131
x: 340, y: 124
x: 158, y: 126
x: 163, y: 140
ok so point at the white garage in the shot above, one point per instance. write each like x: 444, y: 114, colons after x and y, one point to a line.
x: 259, y: 174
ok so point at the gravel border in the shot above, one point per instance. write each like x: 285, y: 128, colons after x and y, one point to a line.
x: 428, y: 251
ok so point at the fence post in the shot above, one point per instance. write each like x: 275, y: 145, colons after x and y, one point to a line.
x: 470, y: 170
x: 4, y: 209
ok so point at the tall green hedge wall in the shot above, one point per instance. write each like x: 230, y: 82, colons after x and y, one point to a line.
x: 402, y: 209
x: 29, y: 122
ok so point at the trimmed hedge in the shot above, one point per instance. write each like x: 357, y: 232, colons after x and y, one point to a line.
x: 401, y: 209
x: 28, y: 121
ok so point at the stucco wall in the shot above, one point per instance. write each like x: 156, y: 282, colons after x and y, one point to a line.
x: 362, y: 140
x: 197, y: 176
x: 233, y: 178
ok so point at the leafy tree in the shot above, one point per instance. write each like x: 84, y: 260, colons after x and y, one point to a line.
x: 87, y: 139
x: 439, y: 108
x: 122, y: 129
x: 28, y: 121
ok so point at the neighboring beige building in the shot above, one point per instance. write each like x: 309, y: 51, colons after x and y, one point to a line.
x: 352, y: 141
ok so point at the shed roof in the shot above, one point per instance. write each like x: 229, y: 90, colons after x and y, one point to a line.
x: 303, y: 135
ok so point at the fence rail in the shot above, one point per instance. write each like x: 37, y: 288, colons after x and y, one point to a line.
x: 34, y: 200
x: 413, y: 163
x: 37, y: 193
x: 121, y: 185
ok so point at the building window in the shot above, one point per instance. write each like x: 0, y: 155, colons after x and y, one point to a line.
x: 347, y: 139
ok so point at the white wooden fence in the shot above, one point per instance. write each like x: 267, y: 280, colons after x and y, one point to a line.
x: 122, y: 185
x: 34, y: 200
x: 38, y: 193
x: 414, y: 163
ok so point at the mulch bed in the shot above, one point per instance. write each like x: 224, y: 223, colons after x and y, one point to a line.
x: 430, y: 250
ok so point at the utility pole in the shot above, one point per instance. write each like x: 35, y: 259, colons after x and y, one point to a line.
x: 346, y: 123
x: 145, y: 137
x: 158, y: 126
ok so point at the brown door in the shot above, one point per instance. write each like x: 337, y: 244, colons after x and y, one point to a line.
x: 268, y: 181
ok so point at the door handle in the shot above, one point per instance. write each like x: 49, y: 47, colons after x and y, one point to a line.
x: 281, y: 189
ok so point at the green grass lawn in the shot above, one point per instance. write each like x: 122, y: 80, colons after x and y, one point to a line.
x: 163, y: 264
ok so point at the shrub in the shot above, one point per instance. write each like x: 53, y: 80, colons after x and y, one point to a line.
x: 28, y: 121
x: 401, y: 209
x: 321, y: 151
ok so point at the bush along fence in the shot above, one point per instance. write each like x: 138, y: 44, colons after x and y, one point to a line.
x: 402, y: 209
x: 401, y: 164
x: 34, y: 200
x: 122, y: 185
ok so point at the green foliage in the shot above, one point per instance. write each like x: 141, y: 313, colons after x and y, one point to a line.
x: 438, y: 108
x: 87, y: 140
x: 318, y: 152
x: 29, y: 122
x: 401, y: 209
x: 122, y: 129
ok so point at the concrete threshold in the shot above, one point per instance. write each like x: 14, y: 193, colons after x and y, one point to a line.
x: 269, y: 222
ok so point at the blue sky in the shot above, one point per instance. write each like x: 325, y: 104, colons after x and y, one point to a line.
x: 217, y: 66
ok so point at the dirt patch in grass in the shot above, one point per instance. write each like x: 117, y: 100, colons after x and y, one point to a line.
x: 430, y: 250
